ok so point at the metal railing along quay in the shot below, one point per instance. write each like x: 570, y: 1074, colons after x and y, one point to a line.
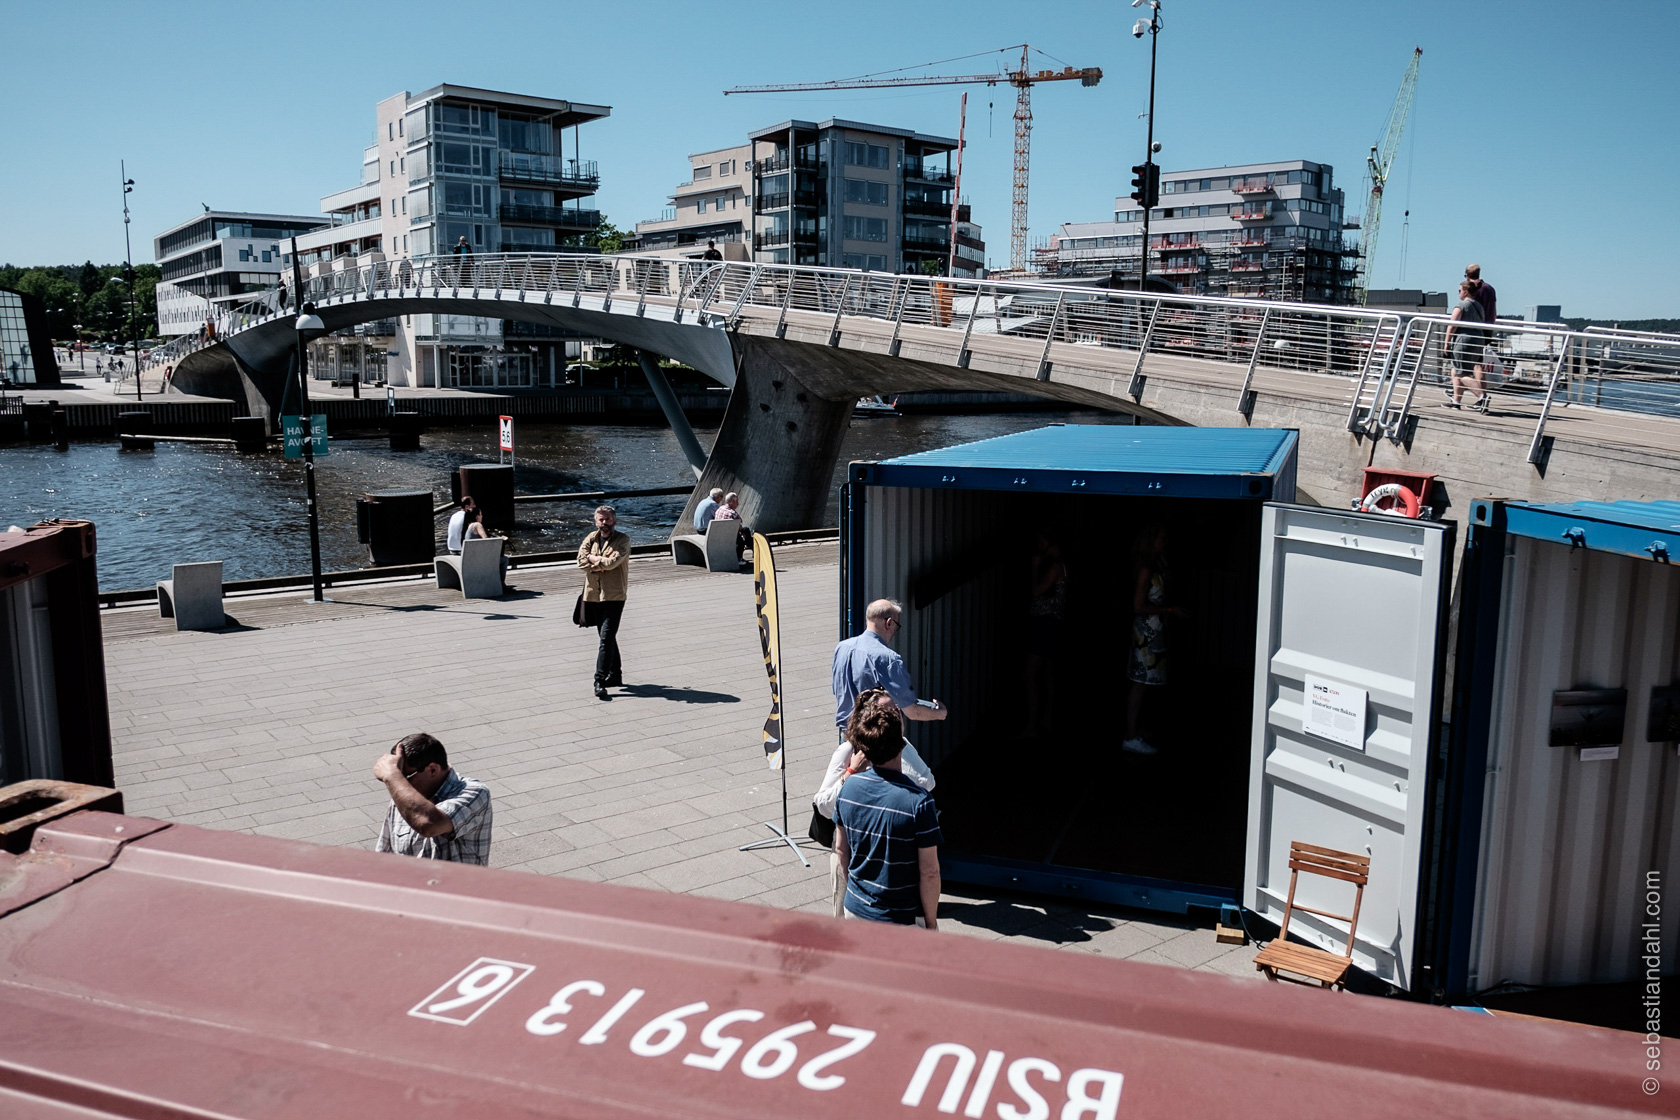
x: 1390, y: 361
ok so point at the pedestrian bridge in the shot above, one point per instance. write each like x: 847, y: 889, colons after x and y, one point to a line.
x: 1578, y: 415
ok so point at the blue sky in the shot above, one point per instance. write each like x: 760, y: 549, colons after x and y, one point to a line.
x: 1543, y: 142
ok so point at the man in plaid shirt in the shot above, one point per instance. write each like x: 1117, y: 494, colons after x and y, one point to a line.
x: 435, y: 813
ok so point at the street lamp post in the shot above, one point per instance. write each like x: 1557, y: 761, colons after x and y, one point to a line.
x: 128, y: 274
x: 309, y: 327
x: 1152, y: 25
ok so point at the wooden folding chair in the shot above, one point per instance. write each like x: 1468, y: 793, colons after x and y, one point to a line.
x: 1329, y: 969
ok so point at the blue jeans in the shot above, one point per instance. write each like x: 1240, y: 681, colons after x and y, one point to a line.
x: 607, y: 664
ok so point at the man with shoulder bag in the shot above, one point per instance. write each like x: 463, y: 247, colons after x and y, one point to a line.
x: 604, y: 557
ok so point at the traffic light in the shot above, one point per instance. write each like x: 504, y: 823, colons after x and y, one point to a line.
x: 1146, y: 184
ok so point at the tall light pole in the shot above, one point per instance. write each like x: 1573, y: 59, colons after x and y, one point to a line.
x: 1152, y: 176
x: 309, y: 327
x: 128, y: 246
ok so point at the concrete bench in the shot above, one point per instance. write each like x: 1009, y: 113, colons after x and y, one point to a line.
x: 477, y: 572
x: 717, y: 551
x: 193, y: 598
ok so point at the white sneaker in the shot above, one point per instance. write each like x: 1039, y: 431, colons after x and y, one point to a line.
x: 1138, y: 746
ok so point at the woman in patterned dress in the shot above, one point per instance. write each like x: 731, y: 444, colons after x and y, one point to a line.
x: 1148, y: 664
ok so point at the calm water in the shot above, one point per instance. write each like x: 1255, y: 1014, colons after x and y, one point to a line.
x: 187, y: 502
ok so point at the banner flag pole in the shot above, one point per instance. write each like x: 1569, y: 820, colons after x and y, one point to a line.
x: 767, y: 607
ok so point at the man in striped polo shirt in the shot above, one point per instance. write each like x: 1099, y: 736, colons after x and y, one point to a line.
x: 887, y: 827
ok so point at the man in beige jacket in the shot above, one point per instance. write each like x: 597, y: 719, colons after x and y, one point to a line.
x: 604, y: 557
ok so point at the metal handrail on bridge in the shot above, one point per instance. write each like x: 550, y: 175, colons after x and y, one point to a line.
x: 1384, y: 355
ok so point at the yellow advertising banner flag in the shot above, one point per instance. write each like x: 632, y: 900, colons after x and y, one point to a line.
x: 770, y: 640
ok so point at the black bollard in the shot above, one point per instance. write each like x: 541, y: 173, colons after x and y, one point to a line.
x: 37, y: 422
x: 404, y: 428
x: 134, y: 430
x: 397, y: 526
x: 250, y: 434
x: 491, y: 486
x: 61, y: 429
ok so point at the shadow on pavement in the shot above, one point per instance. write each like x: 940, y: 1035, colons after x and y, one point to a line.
x: 682, y: 695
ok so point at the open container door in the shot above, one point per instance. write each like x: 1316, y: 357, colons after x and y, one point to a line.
x: 1355, y: 604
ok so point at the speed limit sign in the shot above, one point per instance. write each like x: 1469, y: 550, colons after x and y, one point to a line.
x: 506, y: 433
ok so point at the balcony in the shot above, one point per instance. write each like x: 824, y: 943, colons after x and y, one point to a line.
x: 919, y: 243
x: 930, y: 174
x: 767, y: 202
x: 1251, y: 187
x: 927, y: 209
x: 770, y: 239
x: 1259, y: 214
x: 1248, y: 266
x: 1181, y: 268
x: 528, y: 167
x: 553, y: 216
x: 1248, y: 243
x: 781, y: 162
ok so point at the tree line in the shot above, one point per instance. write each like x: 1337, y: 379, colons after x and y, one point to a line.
x: 92, y: 295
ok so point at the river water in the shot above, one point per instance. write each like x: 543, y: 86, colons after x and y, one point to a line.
x: 192, y: 502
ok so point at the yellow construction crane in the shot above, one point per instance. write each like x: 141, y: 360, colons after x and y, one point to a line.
x: 1378, y: 164
x: 1022, y: 79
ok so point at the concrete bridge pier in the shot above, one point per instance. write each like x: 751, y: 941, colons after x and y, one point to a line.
x: 779, y: 440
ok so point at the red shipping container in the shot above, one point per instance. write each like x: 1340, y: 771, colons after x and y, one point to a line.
x: 155, y: 970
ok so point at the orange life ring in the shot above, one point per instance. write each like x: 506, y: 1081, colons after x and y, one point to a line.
x: 1391, y: 492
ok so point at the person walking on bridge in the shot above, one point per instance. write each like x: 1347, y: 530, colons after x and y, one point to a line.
x: 604, y: 557
x: 463, y: 262
x: 1464, y: 346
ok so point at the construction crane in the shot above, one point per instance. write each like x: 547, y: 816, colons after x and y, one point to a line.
x: 1022, y: 79
x: 1378, y: 165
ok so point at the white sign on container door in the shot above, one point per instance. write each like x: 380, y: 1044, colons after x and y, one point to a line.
x: 1335, y: 711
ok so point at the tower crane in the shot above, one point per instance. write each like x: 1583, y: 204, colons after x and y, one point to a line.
x: 1378, y: 165
x: 1022, y: 79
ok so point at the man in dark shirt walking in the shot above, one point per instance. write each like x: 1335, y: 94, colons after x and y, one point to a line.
x: 1484, y: 293
x: 887, y: 827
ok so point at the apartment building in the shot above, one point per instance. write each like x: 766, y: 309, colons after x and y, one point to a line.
x: 713, y: 207
x: 1271, y: 230
x: 218, y: 257
x: 852, y: 195
x: 839, y: 193
x: 502, y: 170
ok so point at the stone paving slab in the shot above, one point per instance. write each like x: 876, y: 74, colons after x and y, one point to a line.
x: 272, y: 727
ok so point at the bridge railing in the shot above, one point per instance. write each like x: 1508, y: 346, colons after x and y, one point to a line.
x: 1388, y: 360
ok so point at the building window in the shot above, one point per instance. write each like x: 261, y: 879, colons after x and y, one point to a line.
x: 703, y: 172
x: 267, y: 258
x: 405, y: 204
x: 390, y: 131
x: 393, y: 167
x: 699, y: 206
x: 405, y: 242
x: 399, y: 126
x: 861, y: 190
x: 244, y: 254
x: 873, y: 262
x: 866, y: 155
x: 864, y: 229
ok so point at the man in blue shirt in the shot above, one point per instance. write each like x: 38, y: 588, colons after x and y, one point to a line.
x: 887, y: 828
x: 707, y: 508
x: 867, y: 661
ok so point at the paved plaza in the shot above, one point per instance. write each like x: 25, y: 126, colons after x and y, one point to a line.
x: 272, y: 726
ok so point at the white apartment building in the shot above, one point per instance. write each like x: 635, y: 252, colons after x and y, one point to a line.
x: 715, y: 206
x: 1270, y: 230
x: 454, y: 162
x: 219, y: 257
